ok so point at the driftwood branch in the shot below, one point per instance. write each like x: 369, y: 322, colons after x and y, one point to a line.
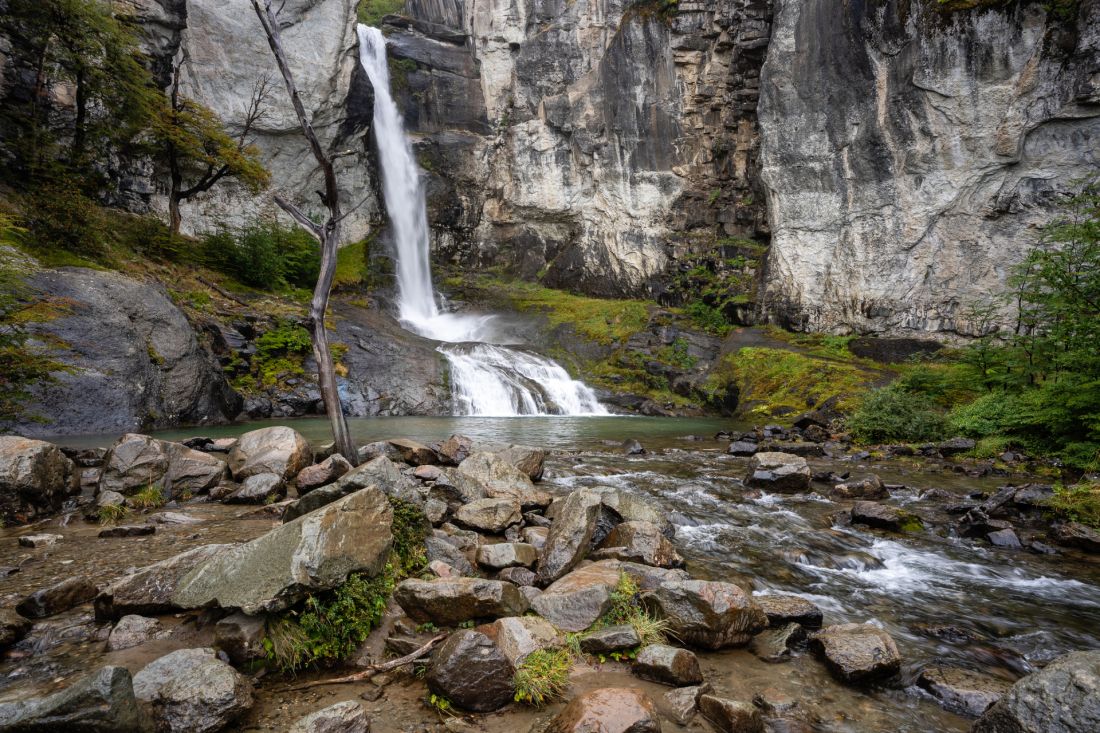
x: 303, y: 221
x: 374, y: 668
x: 221, y: 291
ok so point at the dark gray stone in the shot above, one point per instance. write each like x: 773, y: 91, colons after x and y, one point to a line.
x: 102, y: 702
x: 472, y: 672
x: 668, y: 665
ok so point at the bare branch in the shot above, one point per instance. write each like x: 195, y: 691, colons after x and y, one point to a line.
x: 303, y: 221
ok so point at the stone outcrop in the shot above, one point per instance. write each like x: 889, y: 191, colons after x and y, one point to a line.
x: 910, y: 154
x: 1063, y: 697
x: 313, y: 553
x: 136, y: 462
x: 472, y: 672
x: 149, y: 590
x: 101, y: 701
x: 35, y: 478
x: 192, y: 691
x: 115, y: 330
x: 707, y: 614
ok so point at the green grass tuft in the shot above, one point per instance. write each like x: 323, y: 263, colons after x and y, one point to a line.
x: 543, y: 676
x: 1080, y: 503
x: 112, y: 514
x: 151, y: 497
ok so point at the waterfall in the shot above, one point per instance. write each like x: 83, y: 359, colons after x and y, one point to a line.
x: 487, y: 378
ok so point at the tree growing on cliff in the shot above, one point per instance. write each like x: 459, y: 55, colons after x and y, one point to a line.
x: 198, y: 151
x: 327, y: 235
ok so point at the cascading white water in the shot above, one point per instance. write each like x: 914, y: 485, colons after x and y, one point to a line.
x: 487, y: 378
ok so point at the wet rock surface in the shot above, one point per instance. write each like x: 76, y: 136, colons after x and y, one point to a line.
x: 450, y: 601
x: 961, y: 690
x: 472, y: 672
x: 101, y: 702
x: 192, y: 690
x: 1063, y: 697
x: 706, y: 614
x: 857, y: 652
x: 669, y: 665
x: 609, y: 710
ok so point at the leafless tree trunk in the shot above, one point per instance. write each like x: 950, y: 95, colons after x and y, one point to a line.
x: 328, y: 234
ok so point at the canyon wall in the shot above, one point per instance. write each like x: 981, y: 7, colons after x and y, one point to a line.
x: 911, y: 156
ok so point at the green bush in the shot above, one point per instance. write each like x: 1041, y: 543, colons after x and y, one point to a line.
x: 1079, y: 503
x: 265, y: 255
x: 708, y: 318
x: 987, y: 416
x: 59, y: 215
x: 892, y: 414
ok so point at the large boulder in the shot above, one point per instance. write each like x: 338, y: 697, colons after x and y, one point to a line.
x: 529, y: 460
x: 707, y: 614
x: 149, y: 590
x: 490, y: 515
x: 884, y: 516
x: 1075, y: 534
x: 668, y: 665
x: 520, y: 636
x: 575, y: 601
x: 101, y: 702
x: 506, y: 555
x: 731, y: 716
x: 857, y: 652
x: 640, y: 542
x: 785, y: 473
x: 192, y: 691
x: 136, y: 462
x: 279, y: 450
x: 131, y: 631
x: 321, y: 474
x: 312, y: 553
x: 56, y: 598
x: 380, y: 472
x: 343, y: 717
x: 570, y: 535
x: 450, y: 601
x: 259, y: 488
x: 35, y: 478
x: 783, y: 609
x: 502, y: 480
x: 634, y: 508
x: 962, y: 691
x: 1063, y: 697
x: 471, y: 671
x: 608, y: 710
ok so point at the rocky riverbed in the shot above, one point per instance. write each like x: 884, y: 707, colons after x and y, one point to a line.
x: 753, y: 581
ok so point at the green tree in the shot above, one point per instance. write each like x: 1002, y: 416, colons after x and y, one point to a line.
x: 199, y: 152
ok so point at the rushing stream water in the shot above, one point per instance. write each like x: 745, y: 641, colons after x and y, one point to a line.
x: 488, y: 377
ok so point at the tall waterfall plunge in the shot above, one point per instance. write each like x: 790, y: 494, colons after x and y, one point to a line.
x: 487, y: 378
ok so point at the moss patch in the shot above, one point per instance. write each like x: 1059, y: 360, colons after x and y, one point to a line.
x: 371, y: 12
x: 776, y: 382
x: 1080, y: 503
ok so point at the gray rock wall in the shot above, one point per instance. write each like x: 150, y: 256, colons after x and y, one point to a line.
x: 911, y: 158
x: 594, y: 142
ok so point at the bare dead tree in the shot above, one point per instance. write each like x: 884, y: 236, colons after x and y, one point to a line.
x: 327, y: 234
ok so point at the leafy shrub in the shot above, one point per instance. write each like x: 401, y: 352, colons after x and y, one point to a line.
x: 265, y: 255
x: 543, y: 676
x: 59, y: 215
x: 150, y: 497
x: 708, y: 318
x: 1079, y: 503
x: 626, y: 609
x: 987, y: 416
x: 892, y: 414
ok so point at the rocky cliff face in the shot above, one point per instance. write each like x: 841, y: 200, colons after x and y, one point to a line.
x: 223, y: 54
x: 911, y: 155
x: 589, y: 143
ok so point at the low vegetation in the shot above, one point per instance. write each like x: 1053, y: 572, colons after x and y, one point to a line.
x: 543, y: 676
x: 151, y: 497
x: 112, y: 514
x: 1080, y: 503
x: 329, y: 627
x: 371, y: 12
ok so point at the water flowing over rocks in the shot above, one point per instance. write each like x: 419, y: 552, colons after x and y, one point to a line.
x: 962, y: 691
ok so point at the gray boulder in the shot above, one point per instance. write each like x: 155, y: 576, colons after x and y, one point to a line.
x: 137, y: 461
x: 343, y: 717
x: 1063, y: 697
x: 502, y: 480
x: 320, y: 474
x: 101, y: 702
x: 471, y: 671
x: 259, y: 488
x: 883, y: 516
x: 774, y: 644
x: 312, y: 553
x: 59, y: 597
x: 1075, y: 534
x: 707, y: 614
x: 438, y: 548
x: 35, y: 478
x: 731, y: 716
x: 610, y: 639
x: 668, y: 665
x: 575, y: 601
x: 783, y: 609
x: 962, y: 691
x: 490, y: 515
x: 380, y: 472
x: 785, y: 473
x: 640, y: 542
x: 279, y: 450
x: 633, y: 508
x: 519, y: 636
x: 857, y: 652
x: 13, y: 627
x: 149, y: 590
x: 450, y: 601
x: 570, y: 535
x: 608, y: 710
x: 131, y: 631
x: 684, y: 701
x: 506, y: 555
x: 192, y: 691
x: 241, y: 637
x: 414, y: 453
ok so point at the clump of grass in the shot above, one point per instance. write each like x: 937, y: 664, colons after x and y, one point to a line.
x: 543, y: 676
x: 627, y: 609
x: 151, y: 497
x: 112, y: 514
x: 1080, y: 503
